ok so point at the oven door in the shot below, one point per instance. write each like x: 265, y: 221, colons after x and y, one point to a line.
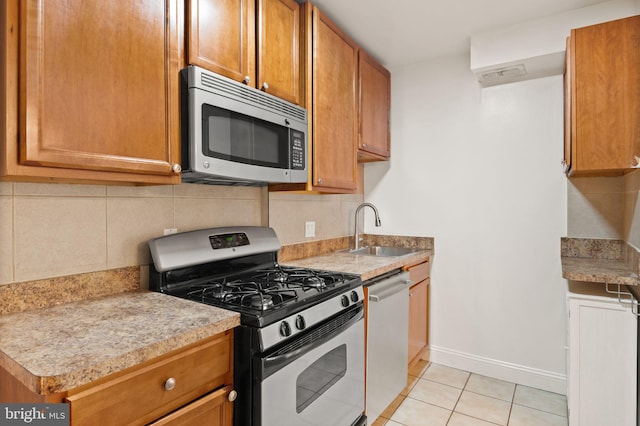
x: 319, y: 378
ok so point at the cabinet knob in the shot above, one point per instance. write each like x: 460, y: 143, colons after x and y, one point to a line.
x: 232, y: 395
x: 364, y: 145
x: 636, y: 159
x: 176, y: 168
x: 170, y: 384
x: 320, y: 181
x: 265, y: 86
x: 247, y: 79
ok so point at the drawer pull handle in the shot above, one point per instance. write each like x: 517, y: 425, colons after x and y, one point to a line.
x: 170, y: 384
x: 232, y: 396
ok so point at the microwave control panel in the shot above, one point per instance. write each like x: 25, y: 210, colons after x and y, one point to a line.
x: 297, y: 150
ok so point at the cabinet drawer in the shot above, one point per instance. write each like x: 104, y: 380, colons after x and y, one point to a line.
x: 419, y: 272
x: 212, y: 409
x: 139, y: 395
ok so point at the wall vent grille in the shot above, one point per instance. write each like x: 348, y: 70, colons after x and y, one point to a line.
x: 503, y: 73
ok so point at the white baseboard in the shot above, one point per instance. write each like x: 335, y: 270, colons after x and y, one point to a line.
x: 527, y: 376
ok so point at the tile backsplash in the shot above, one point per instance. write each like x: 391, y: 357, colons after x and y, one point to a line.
x: 595, y: 207
x: 50, y: 230
x: 605, y: 207
x: 333, y: 215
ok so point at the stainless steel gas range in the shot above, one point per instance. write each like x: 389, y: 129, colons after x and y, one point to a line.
x: 299, y: 351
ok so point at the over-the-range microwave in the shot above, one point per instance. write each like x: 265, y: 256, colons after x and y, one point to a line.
x: 236, y: 134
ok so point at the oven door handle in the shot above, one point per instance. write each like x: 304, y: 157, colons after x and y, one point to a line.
x: 271, y: 364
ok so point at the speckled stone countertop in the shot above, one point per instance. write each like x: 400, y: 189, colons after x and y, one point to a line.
x: 61, y: 333
x: 58, y: 348
x: 28, y: 295
x: 600, y: 261
x: 366, y: 266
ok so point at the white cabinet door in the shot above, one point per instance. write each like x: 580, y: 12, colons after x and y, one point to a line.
x: 602, y: 358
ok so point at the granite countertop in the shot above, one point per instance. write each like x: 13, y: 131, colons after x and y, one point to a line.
x: 332, y: 254
x: 600, y: 261
x: 366, y: 266
x: 61, y: 347
x: 59, y: 334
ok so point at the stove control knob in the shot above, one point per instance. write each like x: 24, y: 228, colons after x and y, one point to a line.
x: 345, y: 301
x: 285, y: 329
x: 354, y: 296
x: 300, y: 323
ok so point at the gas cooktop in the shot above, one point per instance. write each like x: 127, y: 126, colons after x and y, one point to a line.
x: 237, y: 269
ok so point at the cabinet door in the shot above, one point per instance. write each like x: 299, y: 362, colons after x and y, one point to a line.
x: 418, y: 319
x: 99, y: 85
x: 214, y: 409
x: 606, y: 85
x: 602, y: 362
x: 375, y: 103
x: 568, y: 121
x: 335, y: 61
x: 279, y: 48
x: 221, y: 37
x: 419, y: 310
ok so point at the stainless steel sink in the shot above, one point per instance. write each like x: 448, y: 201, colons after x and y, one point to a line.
x: 383, y: 251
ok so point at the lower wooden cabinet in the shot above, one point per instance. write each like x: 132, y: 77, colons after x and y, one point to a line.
x: 418, y: 310
x: 195, y: 381
x: 213, y: 409
x: 189, y: 386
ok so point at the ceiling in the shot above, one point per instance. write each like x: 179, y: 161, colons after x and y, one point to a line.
x: 400, y: 32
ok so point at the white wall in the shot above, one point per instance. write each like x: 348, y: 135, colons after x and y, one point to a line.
x: 480, y: 170
x: 542, y: 36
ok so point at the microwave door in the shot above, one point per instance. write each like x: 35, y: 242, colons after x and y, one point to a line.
x: 231, y: 145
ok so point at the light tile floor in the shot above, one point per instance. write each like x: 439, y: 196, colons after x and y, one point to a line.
x: 438, y: 395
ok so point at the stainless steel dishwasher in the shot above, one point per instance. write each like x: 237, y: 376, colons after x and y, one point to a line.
x: 387, y: 340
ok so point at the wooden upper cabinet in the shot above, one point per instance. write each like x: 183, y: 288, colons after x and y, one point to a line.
x: 221, y: 37
x: 97, y: 90
x: 604, y: 64
x: 257, y: 42
x: 334, y: 110
x: 568, y: 123
x: 375, y: 105
x: 279, y: 48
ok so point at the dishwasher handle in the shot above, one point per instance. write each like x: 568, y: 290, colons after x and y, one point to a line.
x: 388, y: 288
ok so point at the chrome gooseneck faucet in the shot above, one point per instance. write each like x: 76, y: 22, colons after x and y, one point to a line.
x: 356, y: 237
